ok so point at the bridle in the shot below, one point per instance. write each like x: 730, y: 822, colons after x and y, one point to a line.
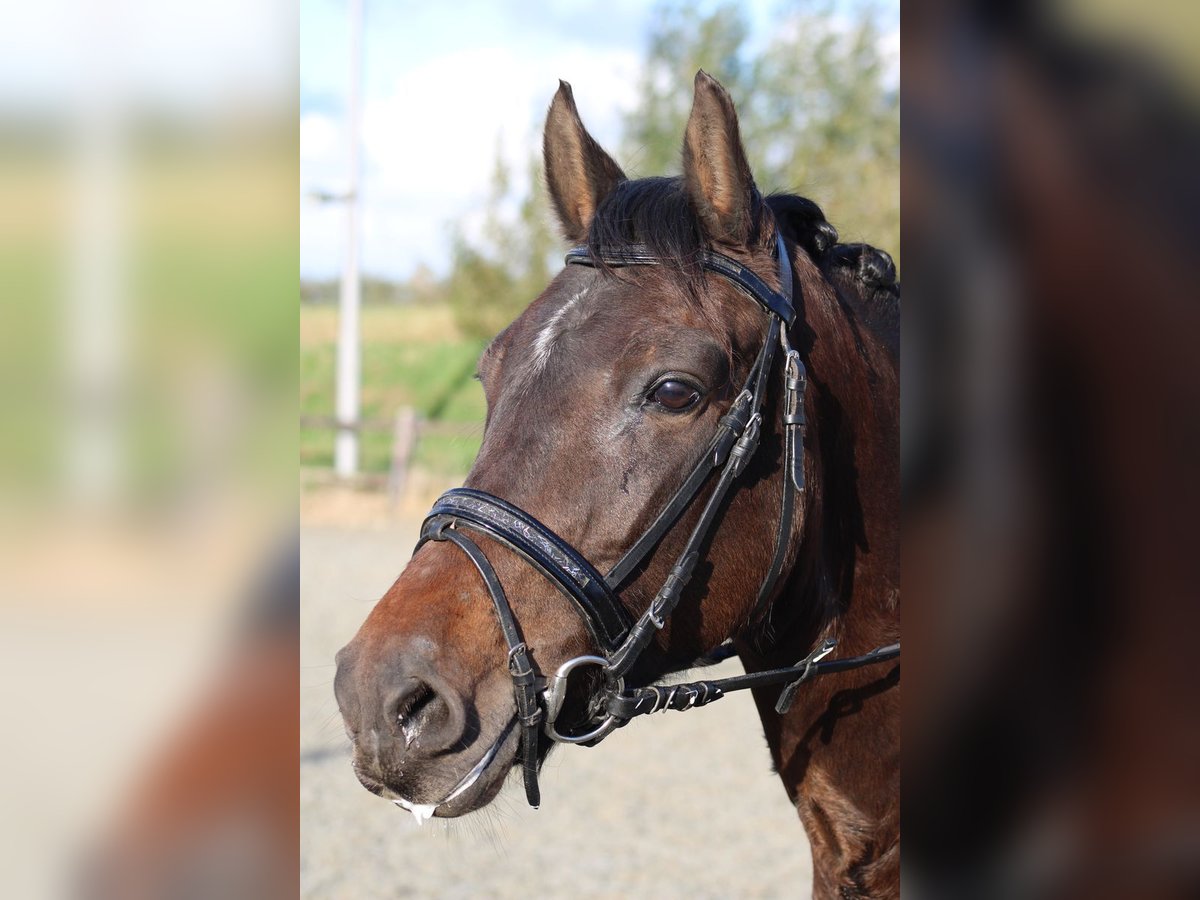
x: 620, y: 639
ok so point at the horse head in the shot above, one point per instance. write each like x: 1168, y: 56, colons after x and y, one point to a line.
x: 618, y: 402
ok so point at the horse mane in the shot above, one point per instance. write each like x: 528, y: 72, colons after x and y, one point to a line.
x: 864, y: 276
x: 656, y: 212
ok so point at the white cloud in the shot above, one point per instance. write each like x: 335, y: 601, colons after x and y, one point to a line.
x: 181, y: 56
x: 321, y: 138
x: 323, y: 153
x: 442, y: 89
x: 430, y: 142
x: 889, y: 49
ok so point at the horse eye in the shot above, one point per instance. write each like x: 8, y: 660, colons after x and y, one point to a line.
x: 675, y: 395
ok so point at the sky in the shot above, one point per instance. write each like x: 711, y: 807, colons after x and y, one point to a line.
x: 445, y: 87
x: 174, y: 54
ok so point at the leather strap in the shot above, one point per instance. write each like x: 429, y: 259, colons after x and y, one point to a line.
x: 665, y: 601
x: 524, y: 677
x: 680, y: 697
x: 557, y: 560
x: 794, y: 423
x: 777, y: 303
x: 766, y: 590
x: 728, y: 430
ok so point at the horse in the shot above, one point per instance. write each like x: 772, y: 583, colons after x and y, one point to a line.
x: 704, y: 404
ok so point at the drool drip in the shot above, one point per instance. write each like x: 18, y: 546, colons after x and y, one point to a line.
x: 422, y: 812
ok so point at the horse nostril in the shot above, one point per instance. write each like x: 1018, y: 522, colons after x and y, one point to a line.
x: 414, y: 707
x: 424, y: 716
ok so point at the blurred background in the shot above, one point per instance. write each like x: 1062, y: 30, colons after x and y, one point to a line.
x: 148, y: 275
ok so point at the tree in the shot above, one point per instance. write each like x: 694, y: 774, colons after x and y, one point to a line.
x: 682, y: 40
x: 817, y: 118
x: 495, y: 278
x: 815, y: 113
x: 822, y: 122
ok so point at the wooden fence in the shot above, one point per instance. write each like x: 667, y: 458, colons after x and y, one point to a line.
x: 407, y: 427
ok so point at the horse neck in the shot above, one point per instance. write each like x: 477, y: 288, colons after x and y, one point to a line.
x: 837, y: 750
x: 849, y: 566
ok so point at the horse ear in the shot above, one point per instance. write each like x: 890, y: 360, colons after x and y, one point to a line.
x: 715, y: 171
x: 579, y: 173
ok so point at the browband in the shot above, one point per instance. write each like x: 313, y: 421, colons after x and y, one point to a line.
x: 775, y: 302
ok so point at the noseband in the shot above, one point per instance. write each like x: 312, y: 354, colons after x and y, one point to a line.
x: 621, y: 640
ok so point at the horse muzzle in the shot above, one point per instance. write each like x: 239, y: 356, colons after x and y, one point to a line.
x: 418, y: 740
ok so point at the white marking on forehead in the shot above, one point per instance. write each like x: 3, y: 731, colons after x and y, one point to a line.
x: 544, y: 345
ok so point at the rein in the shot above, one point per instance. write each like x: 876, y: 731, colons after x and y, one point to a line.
x: 594, y: 596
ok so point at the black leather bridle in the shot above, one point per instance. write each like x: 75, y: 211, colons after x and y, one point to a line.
x: 621, y: 640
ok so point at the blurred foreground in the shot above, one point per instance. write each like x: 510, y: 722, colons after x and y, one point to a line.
x: 1051, y: 443
x: 148, y: 270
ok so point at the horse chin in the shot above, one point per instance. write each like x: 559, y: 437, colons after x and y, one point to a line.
x: 426, y: 797
x: 480, y: 785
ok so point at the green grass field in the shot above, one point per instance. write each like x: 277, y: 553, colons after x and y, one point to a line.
x: 412, y: 356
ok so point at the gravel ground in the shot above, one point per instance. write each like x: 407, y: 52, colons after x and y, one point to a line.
x: 678, y: 805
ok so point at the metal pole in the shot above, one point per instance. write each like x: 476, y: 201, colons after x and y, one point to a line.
x: 96, y: 336
x: 349, y: 366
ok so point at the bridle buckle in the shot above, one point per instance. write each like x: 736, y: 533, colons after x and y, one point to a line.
x: 555, y: 693
x: 784, y: 703
x: 746, y: 445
